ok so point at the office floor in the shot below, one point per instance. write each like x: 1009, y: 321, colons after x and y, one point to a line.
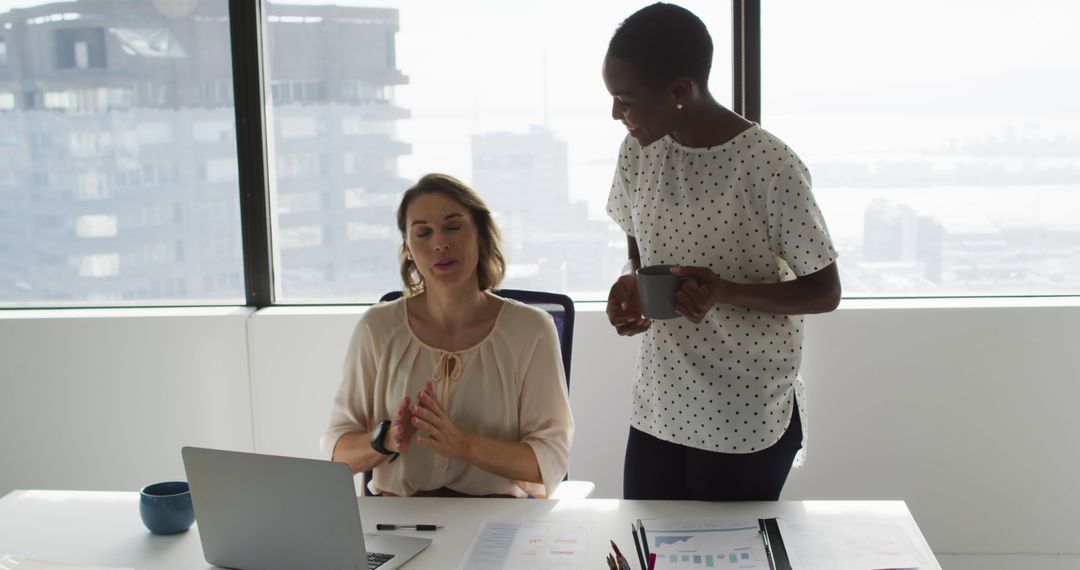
x: 1009, y: 561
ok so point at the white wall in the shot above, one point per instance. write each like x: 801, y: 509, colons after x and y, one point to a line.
x: 104, y: 399
x: 969, y: 414
x: 965, y: 412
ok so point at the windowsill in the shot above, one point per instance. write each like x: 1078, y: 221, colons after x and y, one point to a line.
x: 580, y: 306
x: 960, y: 303
x: 309, y: 310
x: 125, y: 312
x: 919, y: 303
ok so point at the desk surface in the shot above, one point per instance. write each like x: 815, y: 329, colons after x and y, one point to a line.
x: 104, y: 528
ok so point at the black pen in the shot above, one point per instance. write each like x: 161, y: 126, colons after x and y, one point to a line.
x: 644, y: 541
x: 637, y: 546
x: 384, y: 526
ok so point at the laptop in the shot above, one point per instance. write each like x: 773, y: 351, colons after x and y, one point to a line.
x: 265, y: 511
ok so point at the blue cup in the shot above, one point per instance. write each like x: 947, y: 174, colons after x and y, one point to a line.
x: 166, y: 507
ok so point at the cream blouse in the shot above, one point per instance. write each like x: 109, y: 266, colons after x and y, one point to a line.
x: 510, y: 386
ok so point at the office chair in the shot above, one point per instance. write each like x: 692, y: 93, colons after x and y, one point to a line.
x: 561, y: 309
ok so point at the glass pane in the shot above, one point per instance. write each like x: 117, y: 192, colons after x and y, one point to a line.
x: 117, y: 154
x: 944, y: 138
x: 507, y: 96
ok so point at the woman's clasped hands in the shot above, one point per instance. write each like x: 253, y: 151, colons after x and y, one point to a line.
x: 425, y: 422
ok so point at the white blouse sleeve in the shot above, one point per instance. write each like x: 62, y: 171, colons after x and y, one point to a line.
x: 353, y: 407
x: 620, y: 204
x: 544, y: 420
x: 797, y: 230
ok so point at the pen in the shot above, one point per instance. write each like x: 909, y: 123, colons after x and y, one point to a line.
x: 637, y: 546
x: 384, y: 526
x: 644, y: 541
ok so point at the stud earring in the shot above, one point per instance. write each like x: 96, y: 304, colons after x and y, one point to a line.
x: 678, y: 106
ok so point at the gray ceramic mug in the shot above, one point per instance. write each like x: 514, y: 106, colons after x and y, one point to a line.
x: 657, y: 286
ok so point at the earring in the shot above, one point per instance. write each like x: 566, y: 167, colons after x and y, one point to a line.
x: 678, y: 106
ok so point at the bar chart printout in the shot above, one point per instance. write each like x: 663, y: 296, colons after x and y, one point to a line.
x: 723, y: 544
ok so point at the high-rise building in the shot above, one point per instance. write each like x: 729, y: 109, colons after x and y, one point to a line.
x: 552, y: 242
x: 895, y: 233
x: 118, y: 173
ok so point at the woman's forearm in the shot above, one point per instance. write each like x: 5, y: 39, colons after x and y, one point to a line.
x: 355, y: 449
x: 513, y: 460
x: 811, y: 294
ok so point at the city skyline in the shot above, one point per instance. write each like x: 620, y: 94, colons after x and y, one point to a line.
x: 133, y: 108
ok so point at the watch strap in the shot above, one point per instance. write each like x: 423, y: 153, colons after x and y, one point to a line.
x: 378, y: 439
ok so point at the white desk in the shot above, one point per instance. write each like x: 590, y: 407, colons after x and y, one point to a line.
x: 104, y: 528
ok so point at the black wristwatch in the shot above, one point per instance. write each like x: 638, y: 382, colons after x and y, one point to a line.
x: 378, y: 439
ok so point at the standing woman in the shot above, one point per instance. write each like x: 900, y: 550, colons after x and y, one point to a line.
x: 718, y: 406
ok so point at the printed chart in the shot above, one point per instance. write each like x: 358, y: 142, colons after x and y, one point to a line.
x: 721, y: 544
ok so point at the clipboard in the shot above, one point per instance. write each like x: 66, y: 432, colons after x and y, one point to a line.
x: 774, y: 545
x: 736, y: 537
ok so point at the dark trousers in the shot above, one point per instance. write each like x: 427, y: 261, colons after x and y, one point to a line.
x: 658, y: 469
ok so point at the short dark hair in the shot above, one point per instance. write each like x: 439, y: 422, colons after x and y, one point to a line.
x: 665, y: 41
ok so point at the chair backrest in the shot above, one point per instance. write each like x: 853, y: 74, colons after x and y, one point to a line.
x: 559, y: 306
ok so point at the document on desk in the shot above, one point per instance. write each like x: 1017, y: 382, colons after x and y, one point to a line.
x: 529, y: 545
x: 836, y: 542
x: 10, y: 562
x: 724, y: 543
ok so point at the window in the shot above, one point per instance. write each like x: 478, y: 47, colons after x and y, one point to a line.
x: 99, y: 166
x: 95, y: 226
x: 506, y: 96
x: 301, y: 236
x: 944, y: 166
x: 154, y: 134
x: 220, y: 130
x: 300, y: 127
x: 80, y: 48
x: 360, y: 231
x: 300, y: 202
x: 218, y: 170
x: 97, y: 265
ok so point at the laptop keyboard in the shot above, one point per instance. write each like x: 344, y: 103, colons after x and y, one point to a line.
x: 376, y: 559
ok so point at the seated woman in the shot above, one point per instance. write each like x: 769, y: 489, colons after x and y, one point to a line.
x: 471, y: 384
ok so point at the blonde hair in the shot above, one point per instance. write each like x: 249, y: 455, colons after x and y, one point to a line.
x: 491, y: 265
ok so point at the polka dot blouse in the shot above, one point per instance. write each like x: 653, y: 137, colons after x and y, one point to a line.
x: 745, y: 210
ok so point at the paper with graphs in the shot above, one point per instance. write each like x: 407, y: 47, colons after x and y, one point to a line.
x: 716, y: 543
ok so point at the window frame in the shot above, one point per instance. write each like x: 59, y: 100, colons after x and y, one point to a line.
x: 246, y: 40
